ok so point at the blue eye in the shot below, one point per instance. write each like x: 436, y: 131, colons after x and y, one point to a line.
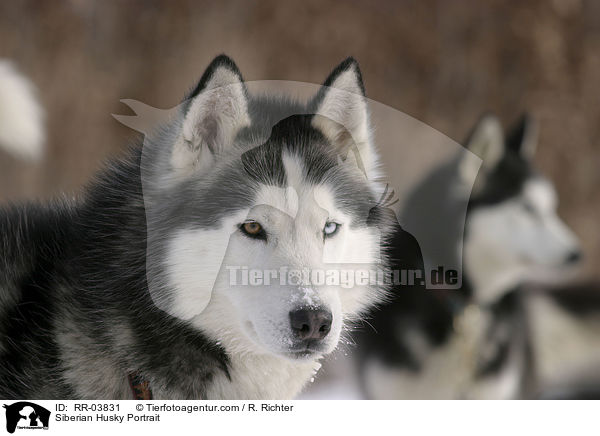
x: 330, y: 228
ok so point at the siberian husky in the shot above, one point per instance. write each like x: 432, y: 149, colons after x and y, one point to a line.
x: 475, y: 342
x: 95, y: 305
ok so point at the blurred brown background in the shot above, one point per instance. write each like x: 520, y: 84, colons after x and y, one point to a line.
x: 439, y: 61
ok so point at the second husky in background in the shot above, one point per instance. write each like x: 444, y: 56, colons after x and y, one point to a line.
x: 483, y: 340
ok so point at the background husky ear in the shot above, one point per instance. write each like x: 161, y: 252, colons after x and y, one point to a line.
x: 487, y: 142
x: 215, y: 111
x: 341, y: 114
x: 523, y: 137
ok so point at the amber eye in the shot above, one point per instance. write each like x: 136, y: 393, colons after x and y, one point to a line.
x: 253, y: 229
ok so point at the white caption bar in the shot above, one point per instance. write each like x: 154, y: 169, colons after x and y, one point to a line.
x: 297, y: 417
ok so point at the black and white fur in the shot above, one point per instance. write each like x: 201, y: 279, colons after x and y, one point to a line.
x: 474, y: 342
x: 129, y: 277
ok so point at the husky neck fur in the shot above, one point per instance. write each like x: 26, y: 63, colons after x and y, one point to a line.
x: 471, y: 343
x: 76, y: 312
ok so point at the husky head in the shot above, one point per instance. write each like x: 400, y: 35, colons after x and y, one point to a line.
x: 512, y: 233
x: 250, y: 196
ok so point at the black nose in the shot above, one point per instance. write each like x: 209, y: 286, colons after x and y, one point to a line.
x: 311, y: 323
x: 574, y: 256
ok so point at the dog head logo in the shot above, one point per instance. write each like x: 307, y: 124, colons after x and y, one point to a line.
x: 26, y: 415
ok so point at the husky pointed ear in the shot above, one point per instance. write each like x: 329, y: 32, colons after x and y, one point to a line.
x: 523, y: 137
x: 214, y: 113
x: 487, y: 142
x: 341, y: 114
